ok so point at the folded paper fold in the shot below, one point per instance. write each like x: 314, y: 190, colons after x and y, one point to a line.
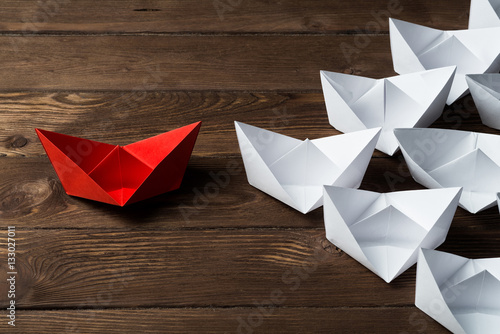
x: 417, y: 48
x: 357, y: 103
x: 120, y: 175
x: 294, y: 171
x: 450, y: 158
x: 484, y: 14
x: 485, y: 90
x: 461, y: 294
x: 384, y: 231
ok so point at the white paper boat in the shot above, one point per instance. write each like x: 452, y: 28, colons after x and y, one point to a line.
x: 417, y: 48
x: 440, y: 158
x: 385, y: 231
x: 484, y: 14
x: 294, y: 171
x: 412, y: 100
x: 461, y: 294
x: 485, y: 90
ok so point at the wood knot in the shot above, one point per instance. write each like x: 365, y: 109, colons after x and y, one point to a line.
x: 312, y: 24
x: 23, y: 198
x: 17, y: 141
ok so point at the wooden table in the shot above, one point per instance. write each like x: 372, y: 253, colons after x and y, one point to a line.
x: 217, y: 255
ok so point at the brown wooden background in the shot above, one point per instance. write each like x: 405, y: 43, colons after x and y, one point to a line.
x: 203, y: 258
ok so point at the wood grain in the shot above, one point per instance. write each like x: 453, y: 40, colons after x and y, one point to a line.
x: 124, y: 117
x: 224, y: 16
x: 33, y: 196
x: 210, y: 255
x: 88, y: 62
x: 203, y: 268
x: 229, y: 320
x: 200, y: 268
x: 214, y: 194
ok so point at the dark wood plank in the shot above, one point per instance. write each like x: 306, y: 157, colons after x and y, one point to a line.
x: 31, y: 195
x: 68, y: 268
x: 124, y: 117
x: 214, y: 251
x: 58, y: 269
x: 290, y: 62
x: 214, y: 194
x: 28, y: 16
x: 229, y: 320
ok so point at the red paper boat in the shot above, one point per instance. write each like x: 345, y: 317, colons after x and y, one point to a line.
x: 120, y: 175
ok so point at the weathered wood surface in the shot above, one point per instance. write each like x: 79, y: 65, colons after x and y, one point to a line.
x: 230, y: 320
x: 224, y: 16
x: 214, y: 194
x: 187, y: 62
x: 208, y: 256
x: 203, y: 268
x: 124, y: 117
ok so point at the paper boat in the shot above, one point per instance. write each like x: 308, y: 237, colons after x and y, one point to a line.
x: 417, y: 48
x: 412, y: 100
x: 485, y: 90
x: 294, y: 171
x: 440, y: 158
x: 461, y: 294
x: 120, y: 175
x: 484, y: 14
x: 385, y: 231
